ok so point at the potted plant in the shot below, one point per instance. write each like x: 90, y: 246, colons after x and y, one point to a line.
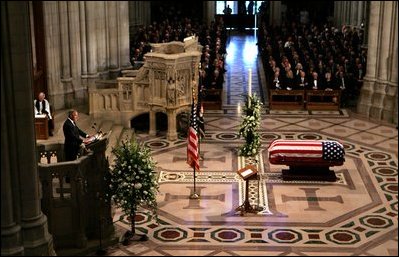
x: 249, y: 126
x: 133, y: 182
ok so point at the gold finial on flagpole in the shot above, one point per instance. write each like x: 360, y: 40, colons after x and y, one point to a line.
x: 194, y: 91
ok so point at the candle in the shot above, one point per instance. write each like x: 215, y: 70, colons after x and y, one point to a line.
x: 249, y: 82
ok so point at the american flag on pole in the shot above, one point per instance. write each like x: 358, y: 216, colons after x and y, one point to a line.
x: 306, y: 151
x: 192, y: 140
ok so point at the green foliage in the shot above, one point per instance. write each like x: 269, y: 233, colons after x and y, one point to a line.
x: 250, y: 125
x: 133, y: 179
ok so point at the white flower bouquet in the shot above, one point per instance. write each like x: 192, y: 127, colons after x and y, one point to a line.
x: 250, y: 125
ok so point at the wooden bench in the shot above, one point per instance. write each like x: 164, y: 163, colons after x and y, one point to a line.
x: 287, y: 99
x: 323, y: 100
x: 307, y: 159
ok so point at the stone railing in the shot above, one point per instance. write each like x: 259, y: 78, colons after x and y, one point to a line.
x: 165, y: 83
x: 73, y: 194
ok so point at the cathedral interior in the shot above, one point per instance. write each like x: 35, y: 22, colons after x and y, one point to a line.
x: 81, y: 54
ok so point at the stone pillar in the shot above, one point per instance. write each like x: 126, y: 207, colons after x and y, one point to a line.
x: 337, y: 5
x: 65, y: 44
x: 153, y: 123
x: 113, y: 38
x: 53, y: 60
x: 139, y: 14
x: 123, y: 34
x: 353, y: 13
x: 82, y: 23
x: 342, y: 13
x: 66, y: 78
x: 360, y: 13
x: 23, y: 225
x: 378, y: 96
x: 348, y: 11
x: 394, y: 70
x: 91, y: 42
x: 171, y: 134
x: 101, y: 38
x: 275, y: 13
x: 209, y: 11
x: 79, y: 90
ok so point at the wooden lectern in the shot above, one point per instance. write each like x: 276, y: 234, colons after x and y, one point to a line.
x: 247, y: 173
x: 41, y: 126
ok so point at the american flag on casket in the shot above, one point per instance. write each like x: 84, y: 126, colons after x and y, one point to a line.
x: 306, y: 152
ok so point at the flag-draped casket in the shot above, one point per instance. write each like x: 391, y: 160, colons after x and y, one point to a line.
x: 306, y: 153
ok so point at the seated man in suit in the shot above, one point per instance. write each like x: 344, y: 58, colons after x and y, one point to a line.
x: 73, y: 136
x: 315, y: 83
x: 42, y: 106
x: 302, y: 81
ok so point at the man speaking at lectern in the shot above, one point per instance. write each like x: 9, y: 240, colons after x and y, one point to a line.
x: 73, y: 136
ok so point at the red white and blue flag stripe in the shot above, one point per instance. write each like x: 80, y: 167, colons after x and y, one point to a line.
x: 192, y: 141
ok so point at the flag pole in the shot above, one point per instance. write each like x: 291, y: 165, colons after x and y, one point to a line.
x: 199, y: 89
x: 194, y: 195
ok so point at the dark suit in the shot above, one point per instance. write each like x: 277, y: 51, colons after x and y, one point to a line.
x: 72, y: 140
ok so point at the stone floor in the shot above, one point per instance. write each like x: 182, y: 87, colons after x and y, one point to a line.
x: 356, y: 215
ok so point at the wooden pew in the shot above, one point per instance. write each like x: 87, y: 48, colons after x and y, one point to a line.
x: 286, y: 99
x: 323, y: 100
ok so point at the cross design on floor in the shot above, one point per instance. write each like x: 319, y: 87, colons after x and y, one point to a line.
x: 312, y: 199
x: 192, y: 203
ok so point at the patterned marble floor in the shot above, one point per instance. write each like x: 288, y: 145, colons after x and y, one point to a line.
x: 356, y: 215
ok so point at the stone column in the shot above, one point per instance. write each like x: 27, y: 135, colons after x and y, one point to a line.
x: 394, y: 68
x: 171, y: 134
x: 337, y: 5
x: 66, y: 78
x: 113, y: 39
x: 91, y: 42
x: 83, y: 49
x: 360, y: 13
x: 153, y: 123
x: 23, y: 225
x: 53, y: 60
x: 101, y: 38
x: 123, y: 34
x: 342, y: 13
x: 209, y: 11
x: 79, y: 90
x: 275, y: 13
x: 378, y: 96
x: 354, y: 12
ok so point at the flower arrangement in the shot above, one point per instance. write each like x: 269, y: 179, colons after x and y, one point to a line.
x: 249, y: 126
x: 132, y: 180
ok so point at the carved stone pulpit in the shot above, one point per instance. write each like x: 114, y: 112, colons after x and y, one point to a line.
x: 165, y: 83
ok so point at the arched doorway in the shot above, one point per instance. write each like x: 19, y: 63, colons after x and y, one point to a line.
x: 141, y: 123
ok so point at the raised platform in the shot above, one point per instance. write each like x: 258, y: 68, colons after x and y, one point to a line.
x: 309, y: 173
